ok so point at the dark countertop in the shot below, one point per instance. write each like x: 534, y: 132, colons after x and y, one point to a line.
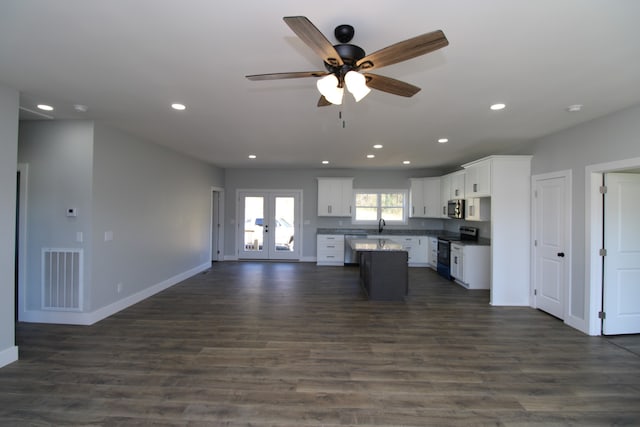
x: 454, y: 237
x: 375, y: 245
x: 385, y: 232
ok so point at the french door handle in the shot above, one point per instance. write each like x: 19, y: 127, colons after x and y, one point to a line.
x: 561, y: 254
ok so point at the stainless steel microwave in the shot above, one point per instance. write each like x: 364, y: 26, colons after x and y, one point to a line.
x: 455, y: 208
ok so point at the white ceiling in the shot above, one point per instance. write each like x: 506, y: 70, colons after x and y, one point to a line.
x: 129, y: 60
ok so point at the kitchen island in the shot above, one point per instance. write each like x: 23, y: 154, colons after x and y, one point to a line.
x: 383, y: 268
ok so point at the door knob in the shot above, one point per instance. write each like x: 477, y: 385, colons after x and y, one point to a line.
x: 561, y: 254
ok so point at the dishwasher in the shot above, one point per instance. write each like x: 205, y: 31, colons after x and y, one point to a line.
x: 351, y: 256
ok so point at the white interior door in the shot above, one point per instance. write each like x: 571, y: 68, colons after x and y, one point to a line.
x: 551, y: 263
x: 621, y: 287
x: 269, y: 225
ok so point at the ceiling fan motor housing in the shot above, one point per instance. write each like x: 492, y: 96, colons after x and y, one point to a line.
x: 350, y: 54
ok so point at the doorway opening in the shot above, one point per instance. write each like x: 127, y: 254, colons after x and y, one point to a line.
x: 551, y: 254
x: 595, y: 229
x: 269, y: 224
x: 22, y: 177
x: 217, y: 225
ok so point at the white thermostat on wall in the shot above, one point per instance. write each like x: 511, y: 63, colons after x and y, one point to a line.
x: 72, y: 212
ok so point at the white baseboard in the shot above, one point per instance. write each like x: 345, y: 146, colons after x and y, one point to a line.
x: 8, y: 356
x: 79, y: 318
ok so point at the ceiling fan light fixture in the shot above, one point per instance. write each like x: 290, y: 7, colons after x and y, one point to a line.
x: 357, y: 85
x: 328, y: 87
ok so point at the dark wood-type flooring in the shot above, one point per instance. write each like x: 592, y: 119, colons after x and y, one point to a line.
x: 293, y: 344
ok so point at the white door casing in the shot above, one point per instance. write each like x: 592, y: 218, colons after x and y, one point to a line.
x: 621, y: 265
x: 551, y: 236
x: 217, y: 224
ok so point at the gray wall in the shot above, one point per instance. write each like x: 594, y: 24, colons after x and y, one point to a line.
x: 612, y: 138
x: 154, y: 201
x: 60, y: 157
x: 157, y: 204
x: 306, y: 180
x: 8, y: 159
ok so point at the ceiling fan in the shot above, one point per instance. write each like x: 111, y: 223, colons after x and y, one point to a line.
x: 348, y: 65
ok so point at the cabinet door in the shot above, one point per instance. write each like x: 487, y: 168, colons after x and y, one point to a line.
x: 421, y: 251
x: 346, y: 196
x: 334, y: 196
x: 416, y: 198
x: 457, y: 185
x: 327, y: 189
x: 478, y: 179
x: 456, y: 263
x: 445, y: 189
x: 433, y: 252
x: 432, y: 198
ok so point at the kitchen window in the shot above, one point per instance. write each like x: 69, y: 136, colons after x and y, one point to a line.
x: 372, y: 205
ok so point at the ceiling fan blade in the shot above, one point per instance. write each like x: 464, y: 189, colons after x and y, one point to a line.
x: 313, y: 38
x: 322, y: 102
x: 389, y: 85
x: 404, y: 50
x: 292, y: 75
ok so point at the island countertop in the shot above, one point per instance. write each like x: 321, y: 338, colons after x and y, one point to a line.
x: 375, y: 245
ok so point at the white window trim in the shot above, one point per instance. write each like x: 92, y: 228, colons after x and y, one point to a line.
x: 405, y: 213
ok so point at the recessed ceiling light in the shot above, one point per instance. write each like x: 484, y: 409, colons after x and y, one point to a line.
x: 406, y: 162
x: 325, y: 162
x: 574, y: 108
x: 45, y: 107
x: 499, y: 106
x: 377, y: 146
x: 178, y: 107
x: 252, y: 156
x: 443, y: 140
x: 370, y: 156
x: 80, y: 108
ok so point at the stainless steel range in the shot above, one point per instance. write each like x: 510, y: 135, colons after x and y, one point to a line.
x: 444, y: 248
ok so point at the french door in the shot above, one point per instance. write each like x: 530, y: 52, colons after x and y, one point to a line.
x: 269, y: 225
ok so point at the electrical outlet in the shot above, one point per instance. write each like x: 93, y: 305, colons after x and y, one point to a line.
x: 119, y: 287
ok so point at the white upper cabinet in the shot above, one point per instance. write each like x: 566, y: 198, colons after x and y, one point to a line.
x: 445, y: 190
x: 478, y: 178
x: 457, y: 185
x: 424, y: 198
x: 416, y: 198
x: 478, y: 209
x: 335, y: 196
x: 432, y: 197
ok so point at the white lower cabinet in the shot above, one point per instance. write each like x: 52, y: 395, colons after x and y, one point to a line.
x: 470, y: 265
x: 330, y: 249
x: 417, y: 248
x: 433, y: 252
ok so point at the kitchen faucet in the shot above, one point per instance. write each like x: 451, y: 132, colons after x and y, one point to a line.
x: 381, y: 225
